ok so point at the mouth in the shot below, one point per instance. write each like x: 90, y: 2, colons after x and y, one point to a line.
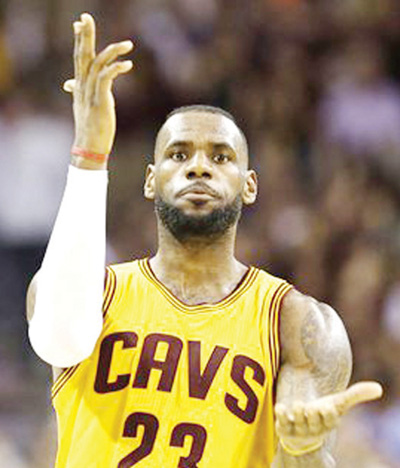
x: 199, y: 191
x: 198, y: 194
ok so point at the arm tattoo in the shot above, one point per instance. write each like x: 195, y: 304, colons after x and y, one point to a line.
x: 325, y: 344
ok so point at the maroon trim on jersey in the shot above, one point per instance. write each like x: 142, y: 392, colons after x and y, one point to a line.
x: 244, y: 284
x: 274, y: 318
x: 109, y: 290
x: 62, y: 380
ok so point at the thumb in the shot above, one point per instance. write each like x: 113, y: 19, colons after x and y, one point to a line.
x: 360, y: 392
x: 69, y: 86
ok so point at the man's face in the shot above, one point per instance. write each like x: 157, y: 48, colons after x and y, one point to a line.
x: 200, y: 171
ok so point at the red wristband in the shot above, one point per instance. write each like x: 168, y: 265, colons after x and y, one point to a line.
x: 77, y: 151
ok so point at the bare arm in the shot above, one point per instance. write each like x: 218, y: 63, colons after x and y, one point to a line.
x: 311, y: 395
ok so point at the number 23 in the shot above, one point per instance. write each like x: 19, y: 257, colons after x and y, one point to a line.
x: 151, y: 425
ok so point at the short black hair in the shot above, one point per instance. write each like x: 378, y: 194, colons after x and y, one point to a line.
x: 202, y: 108
x: 209, y: 109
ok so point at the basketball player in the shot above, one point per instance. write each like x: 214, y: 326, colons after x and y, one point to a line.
x: 183, y: 363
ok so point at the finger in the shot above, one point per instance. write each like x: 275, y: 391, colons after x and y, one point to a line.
x: 300, y: 422
x: 314, y: 420
x: 111, y: 53
x: 69, y: 86
x: 284, y: 428
x: 109, y: 74
x: 330, y: 416
x: 280, y: 413
x: 77, y: 26
x: 358, y: 393
x: 103, y: 61
x: 284, y: 420
x: 284, y: 412
x: 87, y: 50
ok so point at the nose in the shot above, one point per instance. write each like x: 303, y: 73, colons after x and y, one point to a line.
x: 199, y: 166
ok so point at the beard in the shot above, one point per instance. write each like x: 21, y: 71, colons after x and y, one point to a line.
x: 203, y: 228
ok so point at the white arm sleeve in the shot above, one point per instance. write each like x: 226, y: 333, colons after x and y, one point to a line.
x: 67, y: 319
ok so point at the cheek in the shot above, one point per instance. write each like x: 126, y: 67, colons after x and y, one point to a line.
x: 235, y: 182
x: 166, y: 179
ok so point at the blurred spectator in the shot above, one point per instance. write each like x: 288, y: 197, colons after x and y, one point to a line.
x: 391, y: 312
x: 33, y: 159
x: 6, y: 69
x: 357, y: 443
x: 361, y: 110
x: 9, y: 455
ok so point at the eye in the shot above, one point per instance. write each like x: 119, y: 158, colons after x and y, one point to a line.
x: 221, y: 158
x: 178, y: 156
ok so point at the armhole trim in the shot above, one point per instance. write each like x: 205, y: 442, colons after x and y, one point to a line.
x: 62, y: 380
x: 273, y: 328
x: 109, y: 290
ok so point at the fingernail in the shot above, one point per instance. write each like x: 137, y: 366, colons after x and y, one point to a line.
x: 127, y: 44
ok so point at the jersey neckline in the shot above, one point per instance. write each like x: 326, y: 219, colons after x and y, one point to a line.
x: 244, y: 284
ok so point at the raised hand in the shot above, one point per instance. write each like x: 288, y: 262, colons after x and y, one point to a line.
x: 93, y: 101
x: 302, y: 427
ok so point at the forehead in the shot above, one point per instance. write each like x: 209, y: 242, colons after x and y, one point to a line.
x: 201, y: 128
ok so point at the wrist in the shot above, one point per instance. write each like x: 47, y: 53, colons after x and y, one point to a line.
x: 299, y: 451
x: 86, y: 159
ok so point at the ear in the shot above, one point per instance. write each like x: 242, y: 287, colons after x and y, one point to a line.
x: 149, y: 184
x: 250, y: 189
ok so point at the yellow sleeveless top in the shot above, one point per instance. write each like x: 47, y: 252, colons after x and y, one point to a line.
x: 174, y: 386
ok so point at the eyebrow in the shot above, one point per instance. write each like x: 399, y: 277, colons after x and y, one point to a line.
x: 215, y: 145
x: 223, y: 146
x: 179, y: 143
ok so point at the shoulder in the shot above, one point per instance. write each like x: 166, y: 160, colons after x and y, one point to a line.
x: 313, y: 336
x: 126, y: 267
x: 122, y: 282
x: 120, y: 273
x: 274, y: 287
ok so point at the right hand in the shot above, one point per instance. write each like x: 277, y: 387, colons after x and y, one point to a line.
x: 91, y: 88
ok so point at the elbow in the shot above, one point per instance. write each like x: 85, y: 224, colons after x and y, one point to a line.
x: 65, y: 348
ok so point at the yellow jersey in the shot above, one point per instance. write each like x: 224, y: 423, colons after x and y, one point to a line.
x: 170, y: 385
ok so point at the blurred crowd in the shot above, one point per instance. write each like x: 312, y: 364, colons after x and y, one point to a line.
x: 314, y: 84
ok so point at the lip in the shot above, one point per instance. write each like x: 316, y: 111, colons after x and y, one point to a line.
x: 197, y: 197
x: 199, y: 191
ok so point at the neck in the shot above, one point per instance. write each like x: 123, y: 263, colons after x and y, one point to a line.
x: 198, y: 270
x: 197, y: 254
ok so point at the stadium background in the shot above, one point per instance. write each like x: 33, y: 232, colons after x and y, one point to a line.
x: 314, y: 85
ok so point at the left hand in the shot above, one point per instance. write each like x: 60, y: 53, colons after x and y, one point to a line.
x: 302, y: 426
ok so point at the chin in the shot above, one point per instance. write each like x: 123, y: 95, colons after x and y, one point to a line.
x: 198, y: 209
x: 195, y: 221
